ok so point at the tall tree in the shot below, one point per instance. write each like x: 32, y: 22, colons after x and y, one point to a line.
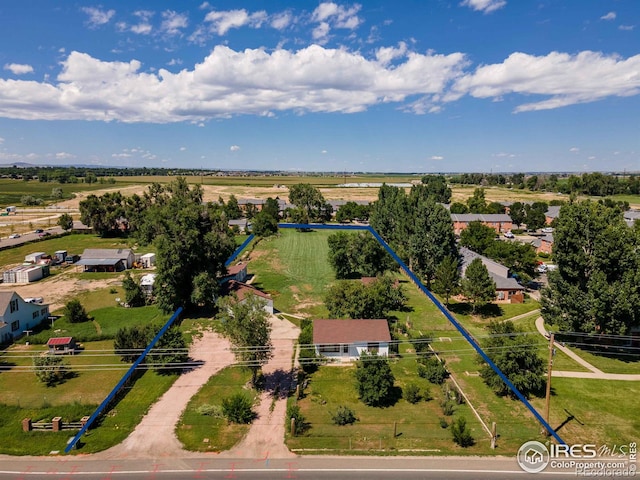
x: 264, y: 225
x: 477, y: 285
x: 437, y: 187
x: 134, y: 297
x: 65, y: 221
x: 447, y: 278
x: 232, y: 209
x: 309, y: 198
x: 517, y: 213
x: 477, y: 203
x: 104, y: 214
x: 375, y: 380
x: 595, y: 288
x: 349, y: 299
x: 535, y: 217
x: 247, y: 326
x: 359, y: 254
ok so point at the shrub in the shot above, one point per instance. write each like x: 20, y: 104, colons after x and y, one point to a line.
x: 432, y: 369
x: 443, y: 422
x: 238, y: 408
x: 75, y: 312
x: 460, y: 432
x: 447, y: 407
x: 343, y: 416
x: 293, y: 411
x: 426, y: 394
x: 411, y: 393
x: 50, y: 369
x: 421, y: 343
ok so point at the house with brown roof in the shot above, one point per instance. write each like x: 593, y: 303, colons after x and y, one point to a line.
x: 500, y: 222
x: 346, y: 339
x: 243, y: 290
x: 236, y: 272
x: 18, y: 316
x: 508, y: 290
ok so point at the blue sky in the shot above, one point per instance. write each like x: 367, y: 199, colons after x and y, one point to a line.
x: 387, y: 86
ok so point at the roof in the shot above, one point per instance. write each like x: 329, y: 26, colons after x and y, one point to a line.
x: 483, y: 217
x: 148, y: 255
x: 59, y: 341
x: 505, y: 283
x: 148, y: 280
x: 101, y: 253
x: 553, y: 211
x: 632, y: 215
x: 350, y: 331
x: 5, y: 297
x: 99, y: 261
x: 235, y: 269
x: 242, y: 290
x: 469, y: 256
x: 241, y: 222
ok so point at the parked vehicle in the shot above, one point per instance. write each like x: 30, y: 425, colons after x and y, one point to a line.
x: 547, y: 230
x: 14, y: 235
x: 38, y: 230
x: 508, y: 234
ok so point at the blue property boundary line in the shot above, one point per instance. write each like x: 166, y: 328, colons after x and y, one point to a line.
x: 122, y: 381
x: 441, y: 307
x: 238, y: 250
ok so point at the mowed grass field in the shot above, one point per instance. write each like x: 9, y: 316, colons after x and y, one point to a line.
x: 11, y: 191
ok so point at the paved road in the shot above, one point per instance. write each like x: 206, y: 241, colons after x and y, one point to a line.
x: 208, y: 467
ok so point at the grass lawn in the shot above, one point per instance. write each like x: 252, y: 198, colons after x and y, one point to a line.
x: 612, y: 364
x: 74, y: 244
x: 293, y: 268
x: 194, y: 427
x: 11, y: 191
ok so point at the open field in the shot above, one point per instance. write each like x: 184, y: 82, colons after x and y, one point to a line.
x: 11, y: 191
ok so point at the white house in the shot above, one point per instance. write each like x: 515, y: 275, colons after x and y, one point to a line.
x: 347, y: 339
x: 148, y: 260
x: 242, y: 290
x: 18, y: 316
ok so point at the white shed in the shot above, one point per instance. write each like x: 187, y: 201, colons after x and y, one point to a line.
x: 28, y: 275
x: 148, y: 260
x: 34, y: 257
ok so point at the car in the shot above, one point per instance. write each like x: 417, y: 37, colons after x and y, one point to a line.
x: 14, y: 235
x: 508, y: 234
x: 38, y: 230
x: 547, y: 230
x: 44, y: 234
x: 541, y: 268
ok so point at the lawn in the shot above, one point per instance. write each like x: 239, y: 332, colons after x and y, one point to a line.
x: 195, y: 427
x: 11, y: 191
x: 611, y: 364
x: 293, y: 268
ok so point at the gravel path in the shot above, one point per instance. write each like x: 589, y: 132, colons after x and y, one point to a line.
x: 155, y: 435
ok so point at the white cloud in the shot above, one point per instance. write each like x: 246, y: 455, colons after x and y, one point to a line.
x: 204, y: 5
x: 386, y: 55
x: 173, y: 22
x: 234, y: 148
x: 18, y: 68
x: 97, y: 16
x: 142, y: 28
x: 574, y: 149
x: 1, y: 140
x: 174, y: 61
x: 331, y: 15
x: 121, y: 155
x: 324, y: 152
x: 609, y: 16
x: 566, y: 79
x: 182, y: 149
x: 436, y: 157
x: 626, y: 28
x: 281, y: 20
x: 223, y: 21
x: 485, y: 6
x: 64, y: 156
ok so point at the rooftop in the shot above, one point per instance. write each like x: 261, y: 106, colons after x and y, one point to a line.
x: 350, y: 331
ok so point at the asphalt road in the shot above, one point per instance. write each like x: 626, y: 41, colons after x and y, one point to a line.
x: 209, y: 467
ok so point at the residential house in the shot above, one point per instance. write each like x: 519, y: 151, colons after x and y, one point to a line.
x: 62, y: 345
x: 236, y: 272
x: 508, y: 290
x: 106, y: 259
x: 347, y: 339
x: 18, y: 316
x: 243, y: 290
x: 631, y: 216
x: 242, y: 224
x: 552, y: 213
x: 500, y: 222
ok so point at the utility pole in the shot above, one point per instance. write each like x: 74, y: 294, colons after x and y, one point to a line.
x: 549, y: 370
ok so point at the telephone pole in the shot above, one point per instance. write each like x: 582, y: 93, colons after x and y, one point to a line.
x: 549, y: 370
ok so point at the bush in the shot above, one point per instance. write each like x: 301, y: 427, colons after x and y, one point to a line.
x: 75, y: 312
x: 460, y: 432
x: 443, y: 422
x: 343, y: 416
x: 293, y: 411
x: 411, y: 393
x: 50, y: 369
x: 447, y: 407
x: 421, y: 343
x: 432, y: 369
x: 238, y: 408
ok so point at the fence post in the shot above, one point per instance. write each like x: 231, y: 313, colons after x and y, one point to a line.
x: 293, y: 426
x: 56, y: 424
x: 26, y: 425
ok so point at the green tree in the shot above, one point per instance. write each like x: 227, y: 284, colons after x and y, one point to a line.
x: 134, y: 297
x: 517, y: 213
x: 308, y: 198
x: 353, y: 299
x: 477, y: 285
x: 57, y: 193
x: 458, y: 208
x: 205, y: 289
x: 477, y: 237
x: 264, y: 225
x: 50, y: 369
x: 130, y: 341
x: 272, y: 208
x: 169, y: 355
x: 340, y: 254
x: 437, y: 188
x: 446, y: 280
x: 460, y: 432
x: 594, y: 289
x: 375, y: 380
x: 232, y: 209
x: 75, y: 312
x: 238, y: 408
x: 65, y: 221
x: 535, y: 217
x: 248, y: 328
x: 477, y: 203
x: 104, y: 213
x: 513, y: 353
x: 358, y: 254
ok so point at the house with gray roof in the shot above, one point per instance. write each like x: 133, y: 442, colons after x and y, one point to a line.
x: 106, y: 259
x: 508, y: 290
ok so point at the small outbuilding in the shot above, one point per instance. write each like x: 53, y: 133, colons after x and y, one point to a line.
x: 242, y: 291
x: 34, y: 257
x: 148, y: 260
x: 236, y: 272
x: 62, y: 345
x: 347, y: 339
